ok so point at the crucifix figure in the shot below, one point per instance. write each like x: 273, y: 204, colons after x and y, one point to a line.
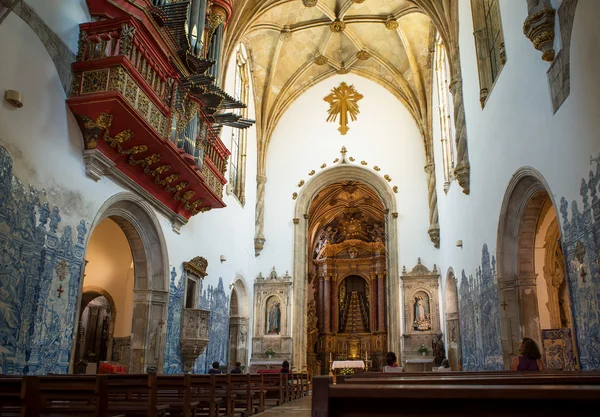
x: 343, y: 100
x: 504, y: 304
x: 60, y: 290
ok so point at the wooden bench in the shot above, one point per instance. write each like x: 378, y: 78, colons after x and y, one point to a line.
x: 134, y: 395
x: 273, y: 386
x: 210, y: 391
x: 390, y: 399
x: 175, y: 391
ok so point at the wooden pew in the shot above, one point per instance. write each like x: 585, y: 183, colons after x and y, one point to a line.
x: 273, y: 385
x: 353, y: 400
x: 12, y: 396
x: 175, y: 391
x: 258, y: 392
x: 209, y: 393
x: 134, y: 395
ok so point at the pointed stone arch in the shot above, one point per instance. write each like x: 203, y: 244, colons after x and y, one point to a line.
x: 453, y: 345
x: 341, y: 172
x: 239, y: 321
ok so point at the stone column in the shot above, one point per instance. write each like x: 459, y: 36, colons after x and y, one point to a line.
x: 334, y: 304
x: 322, y: 302
x: 327, y: 304
x: 259, y: 222
x: 373, y: 306
x: 509, y: 317
x: 528, y: 306
x: 381, y: 301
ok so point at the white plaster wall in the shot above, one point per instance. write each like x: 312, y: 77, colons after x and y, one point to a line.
x: 384, y: 135
x: 63, y: 17
x: 517, y: 128
x: 42, y: 136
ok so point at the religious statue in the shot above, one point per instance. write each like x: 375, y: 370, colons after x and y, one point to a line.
x: 421, y: 310
x: 274, y: 319
x: 439, y: 352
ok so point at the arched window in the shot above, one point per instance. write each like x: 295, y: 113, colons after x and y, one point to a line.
x: 444, y: 104
x: 237, y: 173
x: 489, y: 42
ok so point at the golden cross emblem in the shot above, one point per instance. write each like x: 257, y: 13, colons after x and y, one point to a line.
x: 343, y: 100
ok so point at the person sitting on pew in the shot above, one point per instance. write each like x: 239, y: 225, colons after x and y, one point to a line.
x: 285, y: 367
x: 530, y: 358
x: 237, y: 369
x: 392, y: 363
x: 445, y: 366
x: 215, y: 369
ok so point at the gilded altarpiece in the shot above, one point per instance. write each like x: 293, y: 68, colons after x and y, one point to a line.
x: 421, y: 314
x: 348, y: 310
x: 272, y: 313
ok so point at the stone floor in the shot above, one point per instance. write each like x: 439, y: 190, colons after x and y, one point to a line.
x: 298, y: 408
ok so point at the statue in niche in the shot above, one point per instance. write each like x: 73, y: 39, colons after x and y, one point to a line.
x: 439, y: 352
x: 274, y: 318
x: 422, y: 314
x: 312, y: 329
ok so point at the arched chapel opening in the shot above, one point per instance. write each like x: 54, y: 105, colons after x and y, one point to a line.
x: 347, y: 272
x: 534, y: 295
x: 453, y: 323
x: 123, y: 309
x: 239, y: 307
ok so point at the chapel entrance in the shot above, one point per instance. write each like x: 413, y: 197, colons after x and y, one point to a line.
x: 534, y: 296
x: 347, y: 273
x: 453, y: 323
x: 238, y: 325
x: 123, y: 310
x: 107, y: 301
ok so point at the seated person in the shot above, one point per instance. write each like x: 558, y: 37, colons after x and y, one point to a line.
x: 237, y: 369
x: 445, y: 366
x: 215, y: 369
x: 530, y: 358
x: 392, y: 363
x: 285, y: 367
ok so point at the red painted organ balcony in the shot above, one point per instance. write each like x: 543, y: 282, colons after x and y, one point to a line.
x: 145, y: 98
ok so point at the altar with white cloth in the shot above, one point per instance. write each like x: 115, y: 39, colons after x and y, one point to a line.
x: 348, y: 364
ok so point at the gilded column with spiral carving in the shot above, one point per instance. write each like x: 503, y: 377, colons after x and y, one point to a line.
x: 434, y: 227
x: 259, y: 236
x: 462, y: 171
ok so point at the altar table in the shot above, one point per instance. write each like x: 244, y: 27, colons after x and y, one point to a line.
x: 348, y: 364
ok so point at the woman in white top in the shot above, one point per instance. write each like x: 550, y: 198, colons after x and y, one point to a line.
x: 445, y: 367
x: 392, y: 364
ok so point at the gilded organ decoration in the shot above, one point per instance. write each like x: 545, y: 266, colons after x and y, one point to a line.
x: 343, y: 101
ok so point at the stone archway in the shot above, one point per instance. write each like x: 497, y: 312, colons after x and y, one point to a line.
x: 453, y: 322
x: 239, y: 319
x: 526, y: 203
x: 151, y: 278
x: 341, y: 172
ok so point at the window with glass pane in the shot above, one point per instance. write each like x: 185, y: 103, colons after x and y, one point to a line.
x: 489, y: 42
x: 444, y: 104
x: 238, y: 136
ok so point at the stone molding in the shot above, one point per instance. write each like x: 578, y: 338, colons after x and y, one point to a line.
x: 61, y: 54
x: 539, y: 27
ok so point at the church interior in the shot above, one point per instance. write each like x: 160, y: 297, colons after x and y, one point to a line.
x: 306, y: 207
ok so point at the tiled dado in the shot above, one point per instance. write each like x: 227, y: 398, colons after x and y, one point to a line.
x: 117, y: 79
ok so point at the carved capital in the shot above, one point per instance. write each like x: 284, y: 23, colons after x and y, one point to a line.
x: 462, y: 172
x: 434, y: 234
x: 539, y: 29
x: 259, y: 244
